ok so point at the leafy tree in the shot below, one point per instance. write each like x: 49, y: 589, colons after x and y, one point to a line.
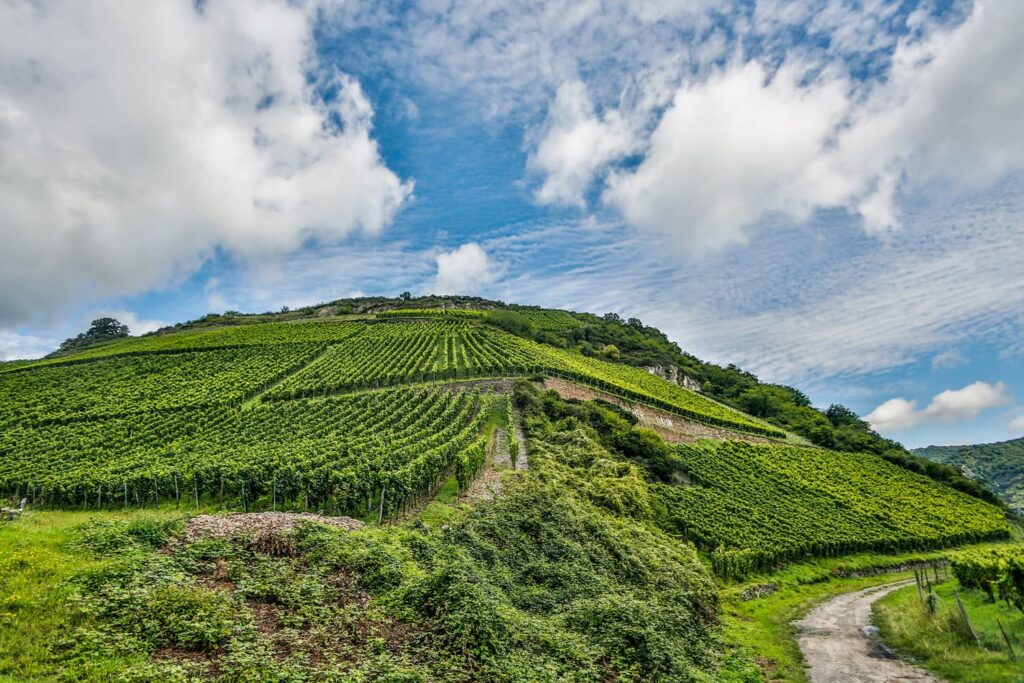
x: 611, y: 351
x: 840, y: 416
x: 101, y: 329
x: 106, y: 327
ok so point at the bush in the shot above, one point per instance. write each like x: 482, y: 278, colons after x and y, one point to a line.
x: 102, y: 536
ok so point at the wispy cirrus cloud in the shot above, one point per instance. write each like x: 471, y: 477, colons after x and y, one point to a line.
x: 796, y: 308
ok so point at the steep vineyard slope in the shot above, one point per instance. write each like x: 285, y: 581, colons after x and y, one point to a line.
x: 281, y: 409
x: 753, y: 507
x: 756, y: 506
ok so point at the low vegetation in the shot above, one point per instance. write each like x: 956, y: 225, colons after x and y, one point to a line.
x: 756, y: 506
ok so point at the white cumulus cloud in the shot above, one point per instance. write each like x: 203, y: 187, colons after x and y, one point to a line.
x: 747, y: 140
x: 136, y: 138
x: 1017, y: 425
x: 16, y: 346
x: 464, y: 270
x: 731, y: 149
x: 952, y: 405
x: 576, y: 145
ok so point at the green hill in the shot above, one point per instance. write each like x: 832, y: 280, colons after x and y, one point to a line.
x: 510, y: 529
x: 999, y: 466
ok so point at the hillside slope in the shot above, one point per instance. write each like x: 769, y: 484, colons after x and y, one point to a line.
x: 612, y: 338
x: 1000, y: 466
x: 596, y: 562
x: 241, y: 411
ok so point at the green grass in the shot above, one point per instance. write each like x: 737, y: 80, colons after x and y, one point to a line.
x: 940, y: 642
x: 35, y: 606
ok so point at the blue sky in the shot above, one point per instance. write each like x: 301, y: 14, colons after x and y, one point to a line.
x: 829, y: 194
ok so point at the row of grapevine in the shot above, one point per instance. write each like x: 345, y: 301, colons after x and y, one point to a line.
x: 361, y: 355
x: 513, y: 440
x: 544, y: 319
x: 188, y: 341
x: 122, y: 386
x: 757, y: 506
x: 414, y: 351
x: 435, y: 313
x: 338, y: 453
x: 998, y: 571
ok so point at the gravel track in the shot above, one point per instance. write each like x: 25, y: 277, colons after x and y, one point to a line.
x: 840, y: 645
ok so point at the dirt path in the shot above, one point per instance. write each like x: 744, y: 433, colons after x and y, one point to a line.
x: 488, y: 483
x: 841, y: 646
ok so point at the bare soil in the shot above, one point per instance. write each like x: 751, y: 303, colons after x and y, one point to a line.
x: 268, y: 531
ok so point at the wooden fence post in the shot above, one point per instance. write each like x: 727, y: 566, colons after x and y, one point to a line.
x: 1013, y: 655
x: 967, y: 620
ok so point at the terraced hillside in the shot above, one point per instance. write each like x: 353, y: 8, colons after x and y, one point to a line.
x: 287, y: 410
x: 348, y: 414
x: 755, y: 507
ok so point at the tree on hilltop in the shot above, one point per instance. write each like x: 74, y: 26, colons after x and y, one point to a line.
x: 101, y: 329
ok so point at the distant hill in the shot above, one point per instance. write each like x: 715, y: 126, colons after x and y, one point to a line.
x: 1000, y: 466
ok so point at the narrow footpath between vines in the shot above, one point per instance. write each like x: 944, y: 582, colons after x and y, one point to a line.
x: 840, y: 645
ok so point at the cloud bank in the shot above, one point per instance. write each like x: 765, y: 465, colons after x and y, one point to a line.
x: 138, y: 138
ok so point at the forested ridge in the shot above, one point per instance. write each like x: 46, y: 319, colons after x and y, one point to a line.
x: 999, y: 466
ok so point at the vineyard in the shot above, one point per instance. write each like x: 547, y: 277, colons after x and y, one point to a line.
x: 538, y: 318
x: 997, y: 571
x: 123, y: 386
x: 229, y: 365
x: 757, y: 506
x: 320, y: 414
x: 219, y: 338
x: 340, y: 454
x: 404, y: 352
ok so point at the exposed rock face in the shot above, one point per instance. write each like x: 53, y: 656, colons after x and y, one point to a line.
x: 672, y: 374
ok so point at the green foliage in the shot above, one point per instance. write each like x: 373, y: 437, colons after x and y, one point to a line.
x: 336, y: 454
x: 753, y: 507
x: 997, y: 465
x: 940, y: 641
x: 510, y: 421
x: 406, y: 351
x: 469, y: 461
x: 101, y: 330
x: 103, y: 536
x: 539, y: 584
x: 118, y: 387
x: 757, y: 506
x: 172, y: 341
x: 998, y: 571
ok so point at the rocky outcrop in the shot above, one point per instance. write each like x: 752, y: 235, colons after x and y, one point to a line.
x: 674, y: 375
